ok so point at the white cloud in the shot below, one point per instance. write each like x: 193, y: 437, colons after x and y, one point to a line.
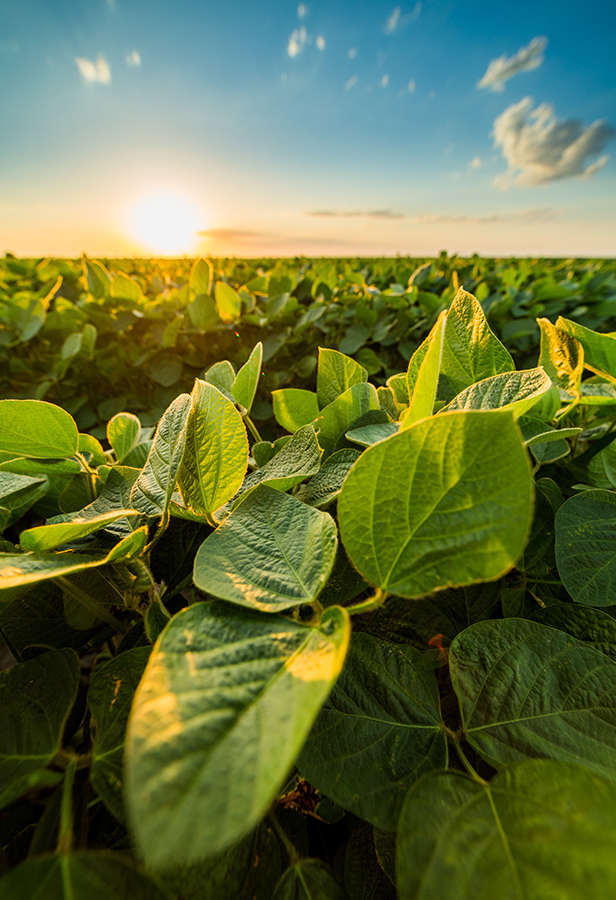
x: 302, y: 10
x: 92, y: 72
x: 392, y: 21
x: 352, y: 52
x: 320, y: 42
x: 539, y: 148
x: 412, y: 86
x: 351, y: 82
x: 133, y: 59
x: 384, y: 80
x: 476, y: 162
x: 505, y: 67
x: 297, y: 41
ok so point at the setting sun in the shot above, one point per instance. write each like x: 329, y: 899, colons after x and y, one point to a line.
x: 166, y: 222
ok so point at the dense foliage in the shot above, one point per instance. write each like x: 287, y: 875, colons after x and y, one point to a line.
x: 370, y: 658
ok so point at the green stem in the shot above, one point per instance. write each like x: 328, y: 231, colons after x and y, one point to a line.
x: 65, y: 836
x: 91, y: 476
x: 292, y: 852
x: 253, y: 429
x: 375, y: 602
x: 463, y: 758
x: 90, y: 604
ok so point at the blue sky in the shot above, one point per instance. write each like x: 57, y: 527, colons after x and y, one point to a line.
x: 318, y: 128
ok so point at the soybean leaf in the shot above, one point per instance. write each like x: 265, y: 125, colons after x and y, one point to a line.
x: 201, y: 276
x: 152, y: 491
x: 378, y: 731
x: 97, y: 876
x: 336, y: 373
x: 308, y: 879
x: 534, y: 431
x: 422, y: 375
x: 540, y: 830
x: 294, y: 407
x: 367, y: 435
x: 272, y: 552
x: 385, y: 846
x: 518, y: 391
x: 602, y: 468
x: 33, y: 467
x: 246, y: 381
x: 586, y: 547
x: 298, y: 459
x: 592, y: 626
x: 446, y: 502
x: 527, y: 690
x: 110, y: 695
x: 335, y: 419
x: 123, y: 433
x: 15, y: 490
x: 562, y: 357
x: 325, y: 486
x: 471, y: 350
x: 228, y: 302
x: 224, y: 706
x: 363, y: 876
x: 222, y: 375
x: 88, y: 444
x: 37, y: 428
x: 36, y: 697
x: 599, y: 349
x: 216, y: 452
x: 48, y: 537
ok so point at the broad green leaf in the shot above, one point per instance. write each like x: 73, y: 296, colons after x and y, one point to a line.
x: 378, y: 731
x: 602, y: 468
x: 272, y: 552
x: 586, y: 547
x: 222, y: 375
x: 263, y: 451
x: 602, y: 394
x: 385, y: 846
x: 246, y: 381
x: 125, y: 288
x: 422, y: 375
x: 591, y: 626
x: 77, y: 876
x: 471, y: 350
x: 151, y: 493
x: 216, y: 454
x: 201, y: 276
x: 367, y: 435
x: 599, y: 349
x: 399, y: 386
x: 324, y: 487
x: 114, y: 498
x: 37, y: 428
x: 110, y: 695
x: 534, y: 431
x: 138, y: 455
x: 14, y: 489
x: 97, y: 278
x: 540, y: 830
x: 334, y: 420
x: 308, y: 879
x: 294, y: 408
x: 562, y: 357
x: 36, y: 697
x: 299, y: 459
x: 203, y: 312
x: 89, y: 445
x: 33, y: 467
x: 363, y: 876
x: 446, y: 502
x: 48, y: 537
x: 228, y: 301
x: 220, y: 715
x: 18, y: 569
x: 527, y: 691
x: 344, y: 583
x: 123, y: 433
x: 336, y: 373
x: 518, y: 391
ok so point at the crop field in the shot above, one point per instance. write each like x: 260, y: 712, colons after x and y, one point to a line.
x: 308, y: 579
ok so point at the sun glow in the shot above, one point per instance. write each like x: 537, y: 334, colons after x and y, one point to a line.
x: 166, y: 222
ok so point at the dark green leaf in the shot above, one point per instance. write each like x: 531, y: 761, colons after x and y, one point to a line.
x: 586, y: 547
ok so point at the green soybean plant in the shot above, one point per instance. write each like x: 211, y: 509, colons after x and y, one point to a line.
x: 373, y: 658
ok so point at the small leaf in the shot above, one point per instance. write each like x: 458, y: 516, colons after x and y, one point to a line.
x: 228, y: 301
x: 222, y: 376
x: 225, y: 704
x: 201, y: 276
x: 48, y: 537
x: 367, y: 435
x: 335, y: 419
x: 562, y: 357
x: 324, y: 487
x: 599, y: 349
x: 422, y: 375
x: 245, y: 384
x: 298, y: 459
x: 363, y: 876
x: 518, y: 391
x: 294, y: 408
x: 272, y: 552
x: 336, y: 373
x: 151, y: 493
x: 123, y: 433
x: 586, y: 547
x: 308, y: 879
x: 37, y: 428
x: 378, y: 731
x: 446, y: 502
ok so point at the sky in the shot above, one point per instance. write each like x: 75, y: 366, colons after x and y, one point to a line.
x: 272, y: 128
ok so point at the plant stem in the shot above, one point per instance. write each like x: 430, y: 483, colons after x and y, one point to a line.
x: 292, y: 852
x: 253, y: 429
x: 65, y: 836
x: 462, y: 756
x: 375, y: 602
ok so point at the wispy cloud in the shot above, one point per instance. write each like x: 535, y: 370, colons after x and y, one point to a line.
x: 371, y: 214
x: 412, y: 86
x: 396, y: 20
x: 351, y: 82
x: 231, y: 234
x: 352, y: 53
x: 320, y: 42
x: 505, y: 67
x: 302, y: 10
x: 392, y: 21
x: 476, y: 162
x: 540, y: 148
x: 133, y: 59
x: 92, y: 72
x: 297, y: 41
x: 521, y: 215
x: 384, y: 80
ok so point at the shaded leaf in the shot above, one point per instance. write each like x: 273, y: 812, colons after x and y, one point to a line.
x: 586, y: 547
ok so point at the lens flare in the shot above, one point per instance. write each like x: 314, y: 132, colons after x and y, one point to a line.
x: 166, y: 222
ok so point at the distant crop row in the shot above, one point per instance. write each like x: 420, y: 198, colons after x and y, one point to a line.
x: 101, y: 337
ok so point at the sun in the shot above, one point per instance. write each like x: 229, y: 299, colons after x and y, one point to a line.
x: 166, y: 222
